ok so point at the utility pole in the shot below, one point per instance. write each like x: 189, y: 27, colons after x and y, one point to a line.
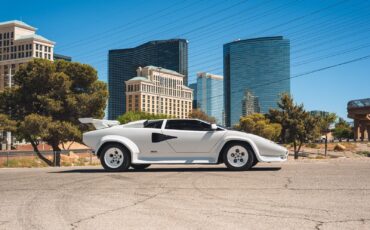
x: 9, y: 134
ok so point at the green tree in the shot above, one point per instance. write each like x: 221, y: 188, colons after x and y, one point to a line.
x: 199, y: 114
x: 6, y: 124
x: 343, y: 130
x: 259, y: 125
x: 324, y: 122
x: 137, y: 115
x: 48, y: 99
x: 298, y: 126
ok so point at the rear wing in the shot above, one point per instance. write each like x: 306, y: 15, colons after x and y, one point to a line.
x: 99, y: 124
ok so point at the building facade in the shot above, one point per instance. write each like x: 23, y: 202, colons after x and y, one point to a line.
x: 210, y: 95
x: 359, y: 111
x: 19, y: 44
x: 250, y: 104
x: 261, y: 65
x: 122, y: 64
x: 157, y: 90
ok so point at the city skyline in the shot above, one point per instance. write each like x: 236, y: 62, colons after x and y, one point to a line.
x: 321, y: 34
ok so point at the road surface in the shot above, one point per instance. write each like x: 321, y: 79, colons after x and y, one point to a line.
x: 315, y: 194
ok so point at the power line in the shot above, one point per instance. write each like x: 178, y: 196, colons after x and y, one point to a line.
x: 120, y: 28
x: 301, y: 74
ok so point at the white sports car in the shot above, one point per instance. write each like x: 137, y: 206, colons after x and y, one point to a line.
x: 177, y: 141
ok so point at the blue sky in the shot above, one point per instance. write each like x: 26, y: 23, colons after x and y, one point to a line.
x: 322, y: 33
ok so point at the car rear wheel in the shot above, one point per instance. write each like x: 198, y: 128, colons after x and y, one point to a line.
x: 115, y: 158
x: 238, y: 156
x: 140, y: 166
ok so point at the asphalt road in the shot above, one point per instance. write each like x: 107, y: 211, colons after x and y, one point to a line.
x: 317, y: 194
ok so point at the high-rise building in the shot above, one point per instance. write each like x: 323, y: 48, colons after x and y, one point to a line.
x: 62, y: 57
x: 19, y: 44
x: 193, y: 86
x: 157, y: 90
x: 210, y: 95
x: 261, y: 65
x: 250, y: 104
x: 122, y: 64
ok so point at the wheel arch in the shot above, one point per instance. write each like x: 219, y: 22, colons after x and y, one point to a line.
x: 249, y: 143
x: 125, y: 142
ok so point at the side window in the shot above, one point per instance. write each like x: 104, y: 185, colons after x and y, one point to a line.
x: 153, y: 124
x: 190, y: 125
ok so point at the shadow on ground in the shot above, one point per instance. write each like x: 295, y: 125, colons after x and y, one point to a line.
x: 148, y: 170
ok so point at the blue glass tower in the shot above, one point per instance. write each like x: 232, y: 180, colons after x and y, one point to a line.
x: 210, y: 95
x: 259, y: 65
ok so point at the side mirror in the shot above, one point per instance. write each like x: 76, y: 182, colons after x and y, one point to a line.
x: 214, y: 127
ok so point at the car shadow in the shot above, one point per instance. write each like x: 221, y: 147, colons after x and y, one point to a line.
x: 148, y: 170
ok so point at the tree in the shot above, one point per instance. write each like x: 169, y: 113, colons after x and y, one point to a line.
x: 298, y: 126
x: 324, y: 126
x: 138, y: 115
x: 343, y: 130
x: 48, y: 99
x: 199, y: 114
x: 6, y: 124
x: 259, y: 125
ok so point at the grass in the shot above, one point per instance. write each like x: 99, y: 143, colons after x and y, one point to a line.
x: 27, y: 162
x: 35, y: 162
x: 311, y: 145
x: 364, y: 153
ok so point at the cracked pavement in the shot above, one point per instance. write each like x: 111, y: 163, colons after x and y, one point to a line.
x: 312, y: 194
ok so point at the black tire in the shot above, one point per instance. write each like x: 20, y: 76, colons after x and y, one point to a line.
x: 140, y: 166
x: 242, y: 158
x: 255, y: 162
x: 115, y: 150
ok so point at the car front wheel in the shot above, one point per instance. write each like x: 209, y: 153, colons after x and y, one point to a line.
x: 115, y: 158
x: 238, y: 156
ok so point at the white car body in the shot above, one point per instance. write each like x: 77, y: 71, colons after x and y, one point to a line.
x: 173, y: 146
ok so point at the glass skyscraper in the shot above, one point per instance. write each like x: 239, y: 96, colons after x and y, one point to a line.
x: 210, y: 95
x: 259, y: 65
x: 122, y: 65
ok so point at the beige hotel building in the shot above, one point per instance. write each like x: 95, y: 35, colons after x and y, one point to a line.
x: 157, y: 90
x: 19, y: 43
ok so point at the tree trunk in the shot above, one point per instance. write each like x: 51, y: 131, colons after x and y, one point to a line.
x: 56, y: 151
x: 326, y: 144
x: 44, y: 159
x: 295, y: 150
x: 299, y: 147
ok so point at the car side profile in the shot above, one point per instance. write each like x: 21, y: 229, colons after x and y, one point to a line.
x: 177, y: 141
